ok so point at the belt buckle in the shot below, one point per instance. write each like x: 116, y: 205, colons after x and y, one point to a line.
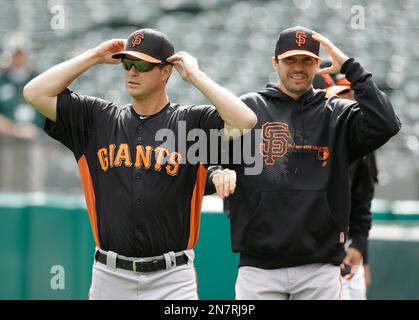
x: 150, y: 268
x: 134, y: 266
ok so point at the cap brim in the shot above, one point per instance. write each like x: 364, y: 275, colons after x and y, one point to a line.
x: 335, y: 90
x: 135, y: 55
x: 297, y: 52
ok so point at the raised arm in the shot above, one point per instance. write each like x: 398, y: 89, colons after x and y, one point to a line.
x: 42, y: 91
x: 376, y: 122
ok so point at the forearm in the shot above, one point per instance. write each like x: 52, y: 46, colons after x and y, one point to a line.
x: 6, y: 126
x: 17, y: 130
x: 377, y: 121
x: 233, y: 111
x: 40, y: 91
x: 53, y: 81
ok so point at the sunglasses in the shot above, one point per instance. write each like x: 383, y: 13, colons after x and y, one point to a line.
x: 140, y: 65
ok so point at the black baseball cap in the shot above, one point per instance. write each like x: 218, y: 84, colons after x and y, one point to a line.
x: 297, y: 40
x: 147, y: 44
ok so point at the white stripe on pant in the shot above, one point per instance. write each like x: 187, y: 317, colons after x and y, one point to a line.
x: 307, y: 282
x: 175, y: 283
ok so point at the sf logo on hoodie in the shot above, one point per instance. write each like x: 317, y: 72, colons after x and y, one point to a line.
x: 275, y: 137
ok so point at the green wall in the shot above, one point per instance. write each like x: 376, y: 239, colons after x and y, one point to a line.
x: 38, y: 232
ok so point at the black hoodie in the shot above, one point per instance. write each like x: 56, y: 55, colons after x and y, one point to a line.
x: 297, y: 210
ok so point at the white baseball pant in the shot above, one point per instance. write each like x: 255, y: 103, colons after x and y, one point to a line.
x: 307, y: 282
x: 174, y: 283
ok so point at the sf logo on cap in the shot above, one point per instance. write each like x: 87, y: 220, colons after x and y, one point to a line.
x: 300, y: 38
x: 136, y: 39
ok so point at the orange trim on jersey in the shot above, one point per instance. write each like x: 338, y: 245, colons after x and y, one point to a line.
x: 89, y: 194
x: 196, y: 203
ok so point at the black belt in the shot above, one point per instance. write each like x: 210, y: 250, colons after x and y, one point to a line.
x: 141, y: 266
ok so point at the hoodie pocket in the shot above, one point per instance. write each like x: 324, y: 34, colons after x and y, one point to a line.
x: 293, y: 223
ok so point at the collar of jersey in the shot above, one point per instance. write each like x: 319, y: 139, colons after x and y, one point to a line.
x: 138, y: 116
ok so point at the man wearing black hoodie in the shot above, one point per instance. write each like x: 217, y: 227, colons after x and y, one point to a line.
x: 290, y: 222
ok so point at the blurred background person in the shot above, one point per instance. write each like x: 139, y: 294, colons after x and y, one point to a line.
x: 363, y: 175
x: 12, y: 129
x: 19, y: 123
x: 12, y: 81
x: 13, y: 78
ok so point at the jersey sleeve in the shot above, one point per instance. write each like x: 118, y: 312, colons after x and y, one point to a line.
x: 76, y: 115
x: 205, y: 117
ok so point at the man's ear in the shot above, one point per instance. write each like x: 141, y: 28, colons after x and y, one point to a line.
x: 275, y: 63
x: 167, y: 72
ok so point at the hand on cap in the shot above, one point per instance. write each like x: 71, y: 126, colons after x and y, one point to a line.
x: 338, y: 57
x: 353, y: 259
x: 185, y: 64
x: 105, y: 50
x: 224, y: 182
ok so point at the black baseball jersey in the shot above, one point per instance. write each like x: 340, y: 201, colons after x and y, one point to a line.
x: 142, y: 201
